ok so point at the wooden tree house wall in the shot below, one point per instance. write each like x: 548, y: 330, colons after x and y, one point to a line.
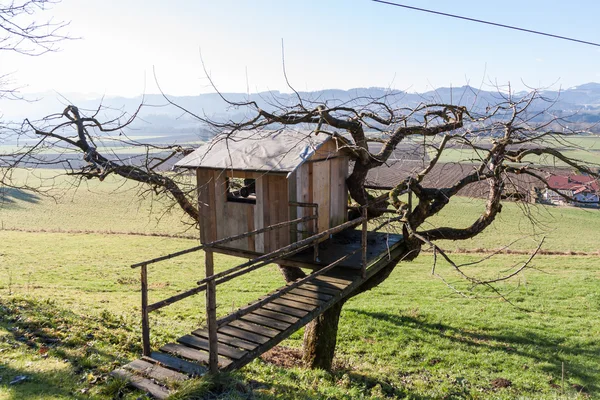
x: 321, y: 180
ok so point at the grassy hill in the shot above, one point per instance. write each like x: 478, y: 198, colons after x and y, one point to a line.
x: 69, y: 308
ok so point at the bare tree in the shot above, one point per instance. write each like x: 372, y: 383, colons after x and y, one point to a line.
x: 21, y: 32
x: 508, y: 138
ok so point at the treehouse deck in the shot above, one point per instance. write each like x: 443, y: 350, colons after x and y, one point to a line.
x: 252, y: 330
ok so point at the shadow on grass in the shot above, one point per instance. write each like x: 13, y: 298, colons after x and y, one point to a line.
x: 363, y: 382
x: 527, y: 343
x: 11, y: 196
x: 234, y: 385
x: 34, y: 331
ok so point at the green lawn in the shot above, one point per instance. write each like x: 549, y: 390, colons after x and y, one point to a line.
x: 581, y: 147
x: 69, y: 309
x: 112, y: 207
x: 71, y: 316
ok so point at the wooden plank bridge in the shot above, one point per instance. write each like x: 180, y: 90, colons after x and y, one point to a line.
x: 235, y: 340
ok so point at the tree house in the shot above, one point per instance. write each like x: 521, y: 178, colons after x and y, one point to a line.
x: 269, y: 197
x: 259, y: 179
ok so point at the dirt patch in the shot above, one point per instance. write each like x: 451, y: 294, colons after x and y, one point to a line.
x: 500, y: 383
x: 519, y: 252
x: 281, y: 356
x: 579, y: 388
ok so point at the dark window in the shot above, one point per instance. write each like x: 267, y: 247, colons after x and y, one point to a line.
x: 241, y: 190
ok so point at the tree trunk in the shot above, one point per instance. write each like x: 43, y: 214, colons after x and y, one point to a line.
x: 290, y: 274
x: 320, y: 338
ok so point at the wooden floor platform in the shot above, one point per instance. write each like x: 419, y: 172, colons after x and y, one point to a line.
x: 254, y: 332
x: 342, y: 243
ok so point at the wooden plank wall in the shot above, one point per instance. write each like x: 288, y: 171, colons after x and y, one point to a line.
x: 222, y: 218
x: 259, y: 219
x: 206, y: 197
x: 339, y: 193
x: 293, y: 211
x: 322, y: 192
x: 276, y: 209
x: 232, y: 218
x: 304, y: 194
x: 328, y: 184
x: 322, y: 180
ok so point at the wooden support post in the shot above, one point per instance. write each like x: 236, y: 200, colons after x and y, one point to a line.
x: 145, y: 323
x: 316, y: 253
x: 364, y: 242
x: 211, y: 314
x: 409, y: 198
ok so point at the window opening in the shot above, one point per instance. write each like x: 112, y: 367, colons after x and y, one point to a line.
x: 241, y: 190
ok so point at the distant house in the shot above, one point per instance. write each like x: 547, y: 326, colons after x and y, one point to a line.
x: 578, y: 190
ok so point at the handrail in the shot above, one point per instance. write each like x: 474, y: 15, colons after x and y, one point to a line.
x: 250, y: 266
x: 210, y: 282
x: 286, y: 289
x: 288, y: 248
x: 302, y: 204
x: 224, y: 240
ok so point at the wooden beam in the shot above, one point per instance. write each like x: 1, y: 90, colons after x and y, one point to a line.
x: 282, y: 291
x: 203, y: 344
x: 226, y: 339
x: 302, y: 299
x: 275, y: 315
x: 254, y: 328
x: 301, y: 291
x: 145, y: 320
x: 242, y: 334
x: 192, y: 354
x: 265, y: 321
x: 177, y: 364
x: 293, y: 312
x: 175, y: 298
x: 144, y: 384
x: 211, y: 314
x: 363, y: 242
x: 294, y: 304
x: 324, y: 288
x: 155, y: 371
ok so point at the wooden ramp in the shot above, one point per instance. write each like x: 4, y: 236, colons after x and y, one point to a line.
x: 254, y: 329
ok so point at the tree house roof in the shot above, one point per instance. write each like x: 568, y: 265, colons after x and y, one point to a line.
x: 281, y: 151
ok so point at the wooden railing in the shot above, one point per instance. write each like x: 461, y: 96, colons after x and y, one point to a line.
x: 212, y: 279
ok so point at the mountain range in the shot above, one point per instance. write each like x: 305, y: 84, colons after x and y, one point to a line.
x: 580, y: 103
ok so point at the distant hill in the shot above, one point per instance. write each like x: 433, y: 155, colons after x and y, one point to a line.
x: 581, y: 103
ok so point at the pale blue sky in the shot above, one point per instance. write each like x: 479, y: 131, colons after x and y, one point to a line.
x: 328, y: 44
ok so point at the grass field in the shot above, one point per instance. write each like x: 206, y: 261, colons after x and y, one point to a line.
x: 69, y: 309
x: 580, y: 147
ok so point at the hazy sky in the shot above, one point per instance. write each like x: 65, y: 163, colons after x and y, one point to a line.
x: 328, y: 44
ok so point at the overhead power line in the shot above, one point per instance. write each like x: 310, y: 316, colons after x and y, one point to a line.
x: 486, y: 22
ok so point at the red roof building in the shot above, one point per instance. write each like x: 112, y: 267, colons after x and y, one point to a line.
x: 573, y: 189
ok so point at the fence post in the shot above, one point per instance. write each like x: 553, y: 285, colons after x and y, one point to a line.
x: 145, y: 322
x: 364, y: 243
x: 211, y: 314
